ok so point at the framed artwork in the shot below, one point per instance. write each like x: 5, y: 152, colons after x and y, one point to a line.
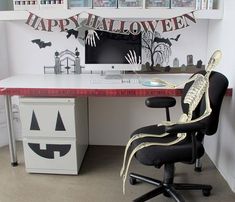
x: 130, y: 3
x: 105, y: 3
x: 157, y: 3
x: 183, y: 3
x: 80, y: 3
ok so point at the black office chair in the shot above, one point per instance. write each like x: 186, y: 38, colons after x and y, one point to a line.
x: 186, y: 151
x: 168, y: 102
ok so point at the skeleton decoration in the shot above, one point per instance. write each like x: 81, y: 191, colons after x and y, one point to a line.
x: 91, y: 37
x: 132, y: 58
x: 193, y: 97
x: 80, y: 34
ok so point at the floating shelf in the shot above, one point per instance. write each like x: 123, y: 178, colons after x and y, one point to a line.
x: 136, y: 13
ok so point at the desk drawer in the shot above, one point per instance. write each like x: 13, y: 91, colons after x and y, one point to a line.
x: 57, y: 156
x: 48, y: 117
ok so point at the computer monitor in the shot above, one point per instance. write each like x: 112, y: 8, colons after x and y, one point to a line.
x: 110, y: 51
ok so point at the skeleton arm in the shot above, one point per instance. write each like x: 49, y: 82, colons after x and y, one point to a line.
x: 169, y: 84
x: 144, y: 145
x: 135, y: 137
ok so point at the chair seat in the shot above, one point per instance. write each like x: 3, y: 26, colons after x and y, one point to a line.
x: 159, y: 155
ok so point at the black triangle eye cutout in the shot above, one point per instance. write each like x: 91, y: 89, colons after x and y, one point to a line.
x: 59, y: 123
x: 34, y: 122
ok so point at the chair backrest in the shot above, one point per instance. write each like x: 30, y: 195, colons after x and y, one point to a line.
x: 218, y: 84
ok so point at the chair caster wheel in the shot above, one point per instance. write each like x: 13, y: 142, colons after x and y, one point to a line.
x: 166, y: 194
x: 132, y: 180
x: 198, y: 169
x: 206, y: 192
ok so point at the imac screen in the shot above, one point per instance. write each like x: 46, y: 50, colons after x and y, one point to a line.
x: 112, y: 48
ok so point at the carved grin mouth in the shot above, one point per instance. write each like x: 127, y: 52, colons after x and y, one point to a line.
x: 50, y: 149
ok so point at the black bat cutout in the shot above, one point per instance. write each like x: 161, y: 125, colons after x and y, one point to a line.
x: 176, y: 39
x: 72, y: 32
x: 162, y: 40
x: 41, y: 43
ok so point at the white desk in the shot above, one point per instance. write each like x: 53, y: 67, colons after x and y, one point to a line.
x: 85, y: 84
x: 80, y: 85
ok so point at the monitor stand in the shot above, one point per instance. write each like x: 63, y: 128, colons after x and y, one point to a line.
x: 112, y: 75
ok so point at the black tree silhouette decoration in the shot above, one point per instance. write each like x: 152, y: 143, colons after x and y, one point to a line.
x: 158, y: 49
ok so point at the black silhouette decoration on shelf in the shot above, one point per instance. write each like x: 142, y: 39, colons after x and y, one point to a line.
x: 158, y: 52
x: 157, y: 48
x: 41, y: 44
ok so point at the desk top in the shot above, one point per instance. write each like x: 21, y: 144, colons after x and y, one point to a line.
x: 51, y: 85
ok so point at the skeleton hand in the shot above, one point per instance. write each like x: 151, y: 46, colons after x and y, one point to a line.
x: 91, y: 37
x: 132, y: 58
x: 166, y: 83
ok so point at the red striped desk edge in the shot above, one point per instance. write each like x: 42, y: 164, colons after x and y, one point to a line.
x: 54, y: 92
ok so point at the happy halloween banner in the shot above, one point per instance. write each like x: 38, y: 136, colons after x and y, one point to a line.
x: 110, y: 25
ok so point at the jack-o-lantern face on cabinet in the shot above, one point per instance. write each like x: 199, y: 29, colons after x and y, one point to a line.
x: 49, y: 150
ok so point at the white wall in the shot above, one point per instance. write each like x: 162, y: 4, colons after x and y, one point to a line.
x: 221, y: 147
x: 3, y: 74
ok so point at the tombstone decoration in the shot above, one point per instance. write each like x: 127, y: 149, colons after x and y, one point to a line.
x: 176, y: 62
x: 189, y: 60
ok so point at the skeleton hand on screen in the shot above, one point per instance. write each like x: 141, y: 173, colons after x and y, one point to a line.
x: 132, y: 58
x: 91, y: 37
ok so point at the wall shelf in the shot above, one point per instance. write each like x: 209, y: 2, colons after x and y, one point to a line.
x: 137, y: 13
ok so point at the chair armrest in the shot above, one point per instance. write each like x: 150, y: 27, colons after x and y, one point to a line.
x: 186, y: 127
x: 160, y: 102
x: 191, y: 129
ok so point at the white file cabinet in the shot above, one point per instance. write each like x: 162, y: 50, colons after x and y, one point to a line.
x: 55, y: 134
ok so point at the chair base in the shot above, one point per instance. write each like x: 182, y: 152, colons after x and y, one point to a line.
x: 167, y: 187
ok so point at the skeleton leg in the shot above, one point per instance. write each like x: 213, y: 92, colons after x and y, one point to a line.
x: 180, y: 136
x: 135, y: 137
